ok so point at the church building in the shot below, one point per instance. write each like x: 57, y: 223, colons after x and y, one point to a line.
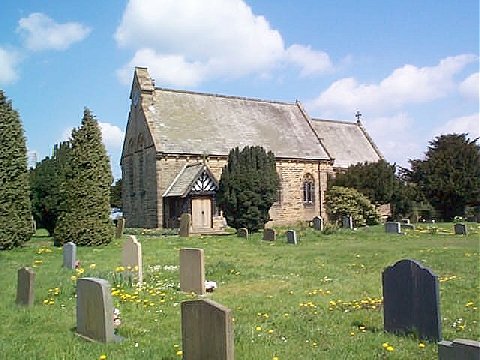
x: 177, y: 143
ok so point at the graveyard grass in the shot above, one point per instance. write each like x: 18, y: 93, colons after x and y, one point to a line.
x: 319, y: 299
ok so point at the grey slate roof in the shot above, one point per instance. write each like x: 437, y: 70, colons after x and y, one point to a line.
x: 197, y: 123
x: 184, y: 180
x: 348, y: 143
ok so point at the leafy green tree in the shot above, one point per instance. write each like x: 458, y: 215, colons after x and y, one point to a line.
x: 116, y: 195
x: 15, y: 208
x: 449, y: 176
x: 248, y: 187
x: 87, y: 188
x: 342, y: 201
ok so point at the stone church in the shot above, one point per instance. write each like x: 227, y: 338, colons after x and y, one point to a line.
x: 177, y: 143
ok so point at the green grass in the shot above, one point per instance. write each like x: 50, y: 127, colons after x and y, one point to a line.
x: 302, y: 297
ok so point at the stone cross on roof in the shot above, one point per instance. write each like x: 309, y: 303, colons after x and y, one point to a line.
x: 358, y: 115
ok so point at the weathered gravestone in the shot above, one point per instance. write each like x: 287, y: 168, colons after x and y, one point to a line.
x: 411, y: 300
x: 459, y: 349
x: 405, y: 221
x: 292, y: 237
x: 192, y: 271
x: 185, y: 225
x: 318, y: 223
x: 269, y: 234
x: 119, y: 228
x: 393, y: 227
x: 347, y: 222
x: 132, y: 257
x: 460, y: 229
x: 242, y: 232
x: 95, y: 310
x: 25, y: 286
x: 69, y: 255
x: 207, y: 331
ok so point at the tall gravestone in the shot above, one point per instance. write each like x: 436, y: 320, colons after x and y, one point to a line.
x: 347, y: 222
x: 95, y: 310
x: 292, y: 237
x: 69, y: 255
x: 460, y: 229
x: 242, y: 232
x: 269, y: 234
x: 132, y: 257
x: 185, y: 225
x: 25, y: 286
x: 411, y: 300
x: 119, y: 228
x: 459, y: 349
x: 192, y: 271
x: 318, y: 223
x: 393, y: 227
x: 207, y: 331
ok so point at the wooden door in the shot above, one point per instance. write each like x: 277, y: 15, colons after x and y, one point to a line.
x: 201, y: 213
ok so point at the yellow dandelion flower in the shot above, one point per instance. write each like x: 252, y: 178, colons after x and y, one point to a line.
x: 258, y: 328
x: 421, y: 345
x: 390, y: 348
x: 275, y: 358
x: 102, y: 357
x: 270, y: 331
x: 385, y: 345
x: 179, y: 352
x: 93, y: 266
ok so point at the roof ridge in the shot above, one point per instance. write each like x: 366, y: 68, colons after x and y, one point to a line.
x: 336, y: 121
x: 370, y: 140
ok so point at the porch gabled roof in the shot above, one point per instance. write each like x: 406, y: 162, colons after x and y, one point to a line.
x: 186, y: 181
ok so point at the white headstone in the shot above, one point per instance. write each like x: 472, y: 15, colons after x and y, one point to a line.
x: 69, y: 255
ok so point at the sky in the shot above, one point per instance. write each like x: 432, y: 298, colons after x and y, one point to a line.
x: 410, y: 67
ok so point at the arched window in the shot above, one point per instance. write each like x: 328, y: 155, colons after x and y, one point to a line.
x: 308, y: 189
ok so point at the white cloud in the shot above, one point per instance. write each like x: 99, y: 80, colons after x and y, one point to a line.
x: 184, y: 42
x: 406, y: 85
x: 469, y: 86
x: 42, y: 33
x: 112, y: 136
x: 8, y: 63
x: 465, y: 124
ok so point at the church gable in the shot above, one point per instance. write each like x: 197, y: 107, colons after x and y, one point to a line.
x: 193, y: 179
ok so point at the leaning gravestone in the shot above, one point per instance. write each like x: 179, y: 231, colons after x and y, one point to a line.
x: 459, y: 349
x: 291, y: 237
x: 347, y: 222
x: 318, y: 223
x: 132, y: 257
x: 207, y: 331
x: 119, y: 228
x: 185, y: 221
x: 192, y: 271
x: 411, y: 300
x: 269, y: 234
x: 95, y: 310
x: 393, y: 227
x: 69, y: 255
x: 25, y: 286
x: 242, y: 232
x: 460, y: 229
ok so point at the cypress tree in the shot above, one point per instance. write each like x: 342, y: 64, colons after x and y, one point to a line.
x: 15, y: 208
x: 88, y: 178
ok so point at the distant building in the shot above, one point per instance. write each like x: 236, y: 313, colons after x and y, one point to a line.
x: 177, y: 143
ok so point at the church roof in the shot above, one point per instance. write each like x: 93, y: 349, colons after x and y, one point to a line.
x: 347, y: 143
x: 187, y: 178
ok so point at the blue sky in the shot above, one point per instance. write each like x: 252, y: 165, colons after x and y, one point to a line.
x: 411, y: 67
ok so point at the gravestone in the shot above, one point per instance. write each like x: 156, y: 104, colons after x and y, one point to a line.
x: 207, y: 331
x: 269, y: 234
x: 119, y: 228
x: 405, y: 221
x: 192, y: 271
x: 459, y: 349
x: 69, y: 255
x: 185, y: 225
x: 347, y: 222
x: 25, y: 286
x: 393, y: 227
x: 407, y: 227
x: 95, y: 310
x: 291, y: 237
x: 242, y: 232
x: 460, y: 229
x: 318, y: 223
x: 132, y: 257
x: 411, y: 300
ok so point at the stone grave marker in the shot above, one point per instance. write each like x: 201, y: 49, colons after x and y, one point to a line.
x: 269, y: 234
x: 95, y: 310
x: 459, y: 349
x: 405, y: 221
x: 185, y: 225
x: 407, y: 226
x: 460, y: 229
x: 132, y: 257
x: 347, y: 222
x: 242, y: 232
x: 25, y: 286
x: 69, y: 255
x: 119, y: 228
x: 207, y: 331
x: 411, y: 300
x: 318, y: 223
x: 393, y: 227
x: 292, y: 237
x: 192, y: 271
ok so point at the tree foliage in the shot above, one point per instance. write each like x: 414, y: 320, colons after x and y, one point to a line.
x: 116, y: 195
x: 449, y: 176
x: 87, y: 189
x: 248, y: 187
x: 15, y: 207
x: 342, y: 201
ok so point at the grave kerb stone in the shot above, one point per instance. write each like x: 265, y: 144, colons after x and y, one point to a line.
x: 25, y: 286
